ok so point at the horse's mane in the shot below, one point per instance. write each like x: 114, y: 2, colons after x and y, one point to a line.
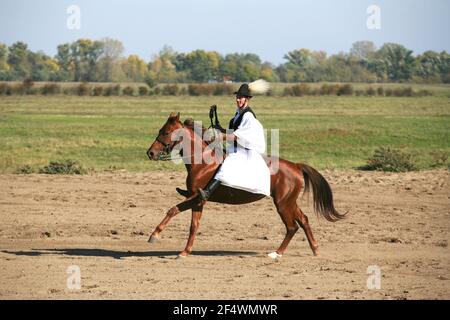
x: 189, y: 124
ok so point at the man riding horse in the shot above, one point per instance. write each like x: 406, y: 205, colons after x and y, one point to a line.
x: 244, y: 167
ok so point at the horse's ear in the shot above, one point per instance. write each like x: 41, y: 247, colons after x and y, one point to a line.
x: 174, y: 117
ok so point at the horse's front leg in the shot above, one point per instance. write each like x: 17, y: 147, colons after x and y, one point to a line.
x: 195, y: 223
x: 172, y: 212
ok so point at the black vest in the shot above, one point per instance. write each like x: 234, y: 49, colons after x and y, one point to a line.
x: 237, y: 123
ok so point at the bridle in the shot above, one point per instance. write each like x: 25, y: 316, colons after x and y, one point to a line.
x: 164, y: 155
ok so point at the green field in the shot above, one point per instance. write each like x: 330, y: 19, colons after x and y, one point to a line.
x: 109, y: 133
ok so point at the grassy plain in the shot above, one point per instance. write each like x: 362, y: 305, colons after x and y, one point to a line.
x: 109, y: 133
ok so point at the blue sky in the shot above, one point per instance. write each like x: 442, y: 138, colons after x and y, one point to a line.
x: 267, y: 28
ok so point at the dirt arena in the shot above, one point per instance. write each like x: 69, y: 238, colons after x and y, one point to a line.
x: 101, y: 223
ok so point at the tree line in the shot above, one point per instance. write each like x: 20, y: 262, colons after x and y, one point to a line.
x: 103, y: 60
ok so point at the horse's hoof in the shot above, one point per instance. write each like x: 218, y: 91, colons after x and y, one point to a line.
x: 316, y: 253
x: 181, y: 256
x: 154, y: 239
x: 274, y: 255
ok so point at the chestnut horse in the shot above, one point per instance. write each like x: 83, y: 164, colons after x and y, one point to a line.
x: 285, y: 186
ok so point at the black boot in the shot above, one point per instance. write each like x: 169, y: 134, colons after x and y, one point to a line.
x: 210, y: 188
x: 182, y: 192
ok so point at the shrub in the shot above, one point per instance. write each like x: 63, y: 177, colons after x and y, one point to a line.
x: 370, y: 91
x: 389, y: 92
x: 299, y: 90
x: 50, y: 88
x: 16, y: 88
x: 26, y: 169
x: 423, y: 93
x: 287, y: 92
x: 83, y: 89
x: 170, y: 90
x: 387, y: 159
x: 380, y: 91
x: 62, y: 167
x: 222, y: 89
x: 27, y: 85
x: 97, y: 91
x: 157, y: 91
x: 4, y: 88
x: 143, y: 91
x: 345, y: 90
x: 112, y: 90
x: 196, y: 89
x: 183, y: 91
x: 329, y: 89
x: 128, y: 91
x: 407, y: 92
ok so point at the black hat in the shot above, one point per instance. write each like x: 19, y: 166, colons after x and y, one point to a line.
x: 244, y: 91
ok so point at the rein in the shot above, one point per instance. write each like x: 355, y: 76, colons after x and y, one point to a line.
x: 168, y: 148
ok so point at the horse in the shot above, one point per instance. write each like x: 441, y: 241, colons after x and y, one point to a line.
x: 285, y: 186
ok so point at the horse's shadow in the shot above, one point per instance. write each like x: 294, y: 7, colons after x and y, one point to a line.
x: 85, y: 252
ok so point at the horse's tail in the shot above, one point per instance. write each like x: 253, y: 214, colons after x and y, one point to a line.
x: 322, y: 194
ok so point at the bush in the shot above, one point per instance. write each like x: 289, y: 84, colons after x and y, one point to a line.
x: 423, y: 93
x: 4, y: 88
x: 329, y: 89
x: 83, y: 89
x: 222, y: 89
x: 15, y: 88
x: 97, y: 91
x: 62, y: 167
x: 300, y: 90
x: 128, y: 91
x: 370, y: 91
x: 170, y: 90
x: 26, y: 169
x: 50, y: 88
x: 345, y: 90
x: 403, y: 92
x: 196, y: 89
x: 389, y: 92
x: 183, y: 91
x: 113, y: 90
x: 387, y: 159
x: 287, y: 92
x: 28, y: 86
x: 380, y: 91
x: 156, y: 91
x: 143, y: 91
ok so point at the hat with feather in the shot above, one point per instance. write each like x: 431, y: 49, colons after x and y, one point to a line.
x: 256, y: 87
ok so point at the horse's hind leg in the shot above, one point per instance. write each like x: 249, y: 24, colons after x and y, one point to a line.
x: 302, y: 220
x: 195, y: 223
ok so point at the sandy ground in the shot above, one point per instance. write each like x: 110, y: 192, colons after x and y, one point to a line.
x: 101, y: 223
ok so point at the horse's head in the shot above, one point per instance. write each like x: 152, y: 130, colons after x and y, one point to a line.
x: 164, y: 143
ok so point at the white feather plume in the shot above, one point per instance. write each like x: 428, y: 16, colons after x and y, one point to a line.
x: 259, y: 86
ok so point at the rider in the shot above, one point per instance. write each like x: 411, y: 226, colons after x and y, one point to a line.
x: 244, y: 167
